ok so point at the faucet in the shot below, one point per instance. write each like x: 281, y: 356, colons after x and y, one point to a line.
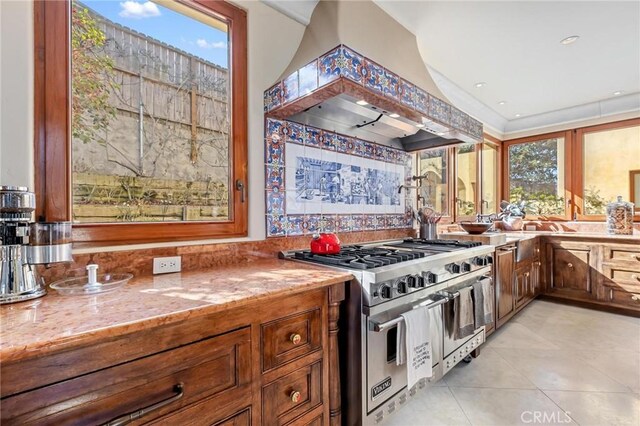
x: 401, y: 187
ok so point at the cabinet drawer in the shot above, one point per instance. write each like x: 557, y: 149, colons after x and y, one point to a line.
x: 621, y: 276
x: 619, y: 296
x: 292, y: 395
x: 622, y: 256
x: 218, y: 368
x: 290, y: 338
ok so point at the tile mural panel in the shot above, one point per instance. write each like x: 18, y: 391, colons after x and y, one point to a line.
x: 320, y: 181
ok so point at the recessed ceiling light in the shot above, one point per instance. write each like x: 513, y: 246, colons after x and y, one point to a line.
x: 617, y: 93
x: 569, y: 40
x: 394, y: 115
x: 518, y: 115
x: 419, y: 126
x: 363, y: 103
x: 480, y: 84
x: 502, y: 102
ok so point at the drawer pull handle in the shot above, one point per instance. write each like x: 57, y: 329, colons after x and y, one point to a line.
x: 178, y: 390
x: 636, y: 257
x: 295, y: 338
x: 635, y: 297
x: 570, y: 265
x: 295, y: 397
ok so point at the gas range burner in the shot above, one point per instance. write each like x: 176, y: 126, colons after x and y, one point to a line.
x: 435, y: 245
x: 359, y: 257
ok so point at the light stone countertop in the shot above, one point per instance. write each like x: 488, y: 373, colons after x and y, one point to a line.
x: 55, y: 322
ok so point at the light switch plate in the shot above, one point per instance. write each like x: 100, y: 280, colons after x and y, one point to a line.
x: 166, y: 265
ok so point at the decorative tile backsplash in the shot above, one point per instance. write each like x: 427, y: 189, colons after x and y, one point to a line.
x: 343, y: 62
x: 320, y: 181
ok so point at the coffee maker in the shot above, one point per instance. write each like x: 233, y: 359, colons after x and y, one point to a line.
x: 25, y: 244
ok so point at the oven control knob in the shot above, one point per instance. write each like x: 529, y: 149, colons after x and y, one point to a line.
x: 454, y: 268
x: 465, y: 267
x: 412, y: 281
x: 402, y: 287
x: 385, y: 292
x: 430, y: 278
x: 480, y: 261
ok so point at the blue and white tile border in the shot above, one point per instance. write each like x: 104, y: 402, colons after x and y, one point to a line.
x: 281, y: 134
x: 346, y: 63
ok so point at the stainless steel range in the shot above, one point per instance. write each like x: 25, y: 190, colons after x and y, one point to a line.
x: 392, y: 277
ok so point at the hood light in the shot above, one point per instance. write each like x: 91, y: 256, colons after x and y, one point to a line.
x: 419, y: 126
x: 440, y: 133
x: 394, y: 115
x: 569, y: 40
x: 363, y: 103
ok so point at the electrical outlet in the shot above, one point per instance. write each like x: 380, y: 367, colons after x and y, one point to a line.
x: 165, y: 265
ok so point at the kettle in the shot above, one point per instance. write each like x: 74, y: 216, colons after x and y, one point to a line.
x: 325, y: 244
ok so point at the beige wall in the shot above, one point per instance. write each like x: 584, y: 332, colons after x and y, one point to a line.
x: 16, y: 93
x: 609, y: 156
x: 273, y: 39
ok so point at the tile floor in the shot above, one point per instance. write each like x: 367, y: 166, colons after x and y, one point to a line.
x: 551, y: 364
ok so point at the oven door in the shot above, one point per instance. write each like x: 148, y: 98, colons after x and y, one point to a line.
x: 451, y: 342
x: 384, y: 378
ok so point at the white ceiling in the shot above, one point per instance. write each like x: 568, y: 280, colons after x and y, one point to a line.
x: 514, y: 47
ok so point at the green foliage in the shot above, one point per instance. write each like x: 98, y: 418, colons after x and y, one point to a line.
x: 539, y: 203
x: 90, y: 108
x: 594, y: 203
x: 534, y: 166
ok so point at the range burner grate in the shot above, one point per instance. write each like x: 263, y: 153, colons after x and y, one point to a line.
x: 358, y: 257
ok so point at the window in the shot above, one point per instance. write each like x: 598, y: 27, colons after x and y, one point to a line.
x: 154, y: 127
x: 466, y: 180
x: 610, y: 155
x: 433, y: 165
x: 490, y: 165
x: 536, y: 172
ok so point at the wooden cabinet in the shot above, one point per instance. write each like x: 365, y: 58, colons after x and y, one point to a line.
x: 597, y: 271
x: 267, y: 363
x: 505, y: 297
x: 522, y: 283
x: 571, y: 270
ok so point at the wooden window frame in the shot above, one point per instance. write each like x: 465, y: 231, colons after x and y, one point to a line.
x: 568, y: 170
x: 477, y: 148
x: 53, y: 132
x: 497, y: 144
x: 578, y: 171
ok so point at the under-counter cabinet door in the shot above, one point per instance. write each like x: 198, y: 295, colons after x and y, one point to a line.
x: 522, y: 285
x: 290, y: 338
x: 535, y: 286
x: 505, y: 303
x: 288, y: 398
x: 218, y: 368
x: 571, y: 272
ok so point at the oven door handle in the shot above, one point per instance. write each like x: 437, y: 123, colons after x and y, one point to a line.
x: 453, y: 294
x: 432, y: 302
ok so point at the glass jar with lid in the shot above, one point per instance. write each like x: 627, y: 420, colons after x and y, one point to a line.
x: 620, y: 217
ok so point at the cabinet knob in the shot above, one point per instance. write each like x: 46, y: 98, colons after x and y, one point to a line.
x: 635, y: 297
x: 635, y: 277
x: 295, y: 396
x: 570, y: 265
x: 295, y: 338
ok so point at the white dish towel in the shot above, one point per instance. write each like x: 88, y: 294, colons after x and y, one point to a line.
x: 414, y: 345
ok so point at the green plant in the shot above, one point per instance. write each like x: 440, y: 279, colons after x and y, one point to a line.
x: 90, y: 108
